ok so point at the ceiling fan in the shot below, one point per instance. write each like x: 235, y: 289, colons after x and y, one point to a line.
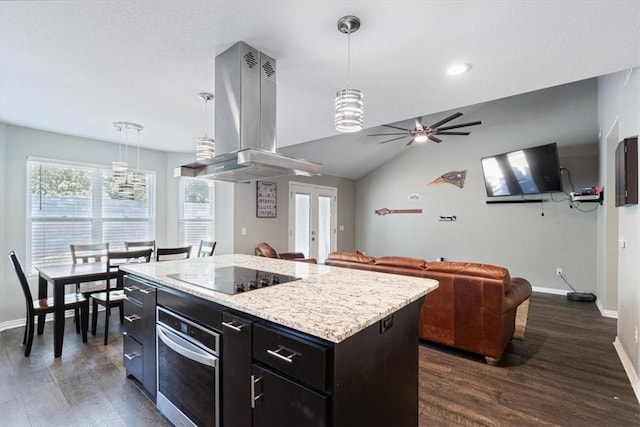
x: 423, y: 133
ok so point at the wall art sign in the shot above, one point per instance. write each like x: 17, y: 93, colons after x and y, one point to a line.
x: 415, y: 197
x: 266, y: 199
x: 385, y: 211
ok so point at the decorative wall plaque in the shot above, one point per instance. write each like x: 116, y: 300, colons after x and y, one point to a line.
x: 266, y: 199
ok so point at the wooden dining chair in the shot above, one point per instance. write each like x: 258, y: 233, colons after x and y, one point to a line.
x: 114, y: 297
x: 166, y: 254
x: 143, y: 244
x: 86, y: 254
x: 43, y: 306
x: 206, y: 248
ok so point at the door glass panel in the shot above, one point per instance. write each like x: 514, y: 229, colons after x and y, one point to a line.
x: 303, y: 215
x: 324, y: 227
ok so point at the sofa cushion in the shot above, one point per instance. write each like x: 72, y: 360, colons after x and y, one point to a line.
x: 401, y: 261
x: 469, y: 268
x: 352, y: 257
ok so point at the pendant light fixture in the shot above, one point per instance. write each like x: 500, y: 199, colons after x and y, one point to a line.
x: 205, y: 146
x: 349, y: 105
x: 120, y: 169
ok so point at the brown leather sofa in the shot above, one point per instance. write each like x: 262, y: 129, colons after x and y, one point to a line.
x: 265, y: 250
x: 473, y: 309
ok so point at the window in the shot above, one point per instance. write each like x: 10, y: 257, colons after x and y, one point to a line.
x: 70, y: 203
x: 196, y: 216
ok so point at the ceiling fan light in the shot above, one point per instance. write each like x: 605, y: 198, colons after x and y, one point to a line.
x: 349, y: 110
x: 205, y: 148
x: 421, y: 138
x: 457, y: 69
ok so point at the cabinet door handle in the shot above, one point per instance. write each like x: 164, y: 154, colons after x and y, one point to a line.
x: 131, y: 288
x: 254, y: 398
x: 131, y: 356
x: 276, y: 353
x: 147, y: 291
x: 230, y: 325
x: 132, y: 318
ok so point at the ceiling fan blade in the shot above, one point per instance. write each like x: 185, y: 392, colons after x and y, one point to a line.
x: 459, y: 126
x: 394, y: 139
x: 451, y: 133
x: 396, y: 127
x: 443, y: 121
x: 434, y: 139
x: 410, y: 142
x: 383, y: 134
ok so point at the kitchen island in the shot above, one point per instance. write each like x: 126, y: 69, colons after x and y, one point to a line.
x: 335, y: 347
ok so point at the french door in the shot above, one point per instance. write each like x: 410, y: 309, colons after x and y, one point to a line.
x: 312, y: 220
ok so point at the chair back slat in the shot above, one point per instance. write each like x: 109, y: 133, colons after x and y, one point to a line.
x: 23, y: 282
x: 117, y: 258
x: 84, y: 254
x: 165, y: 254
x: 145, y: 244
x: 206, y: 248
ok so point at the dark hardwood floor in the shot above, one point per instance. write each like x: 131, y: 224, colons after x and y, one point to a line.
x: 566, y: 372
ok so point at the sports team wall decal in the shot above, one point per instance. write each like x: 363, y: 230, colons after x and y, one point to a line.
x: 454, y: 177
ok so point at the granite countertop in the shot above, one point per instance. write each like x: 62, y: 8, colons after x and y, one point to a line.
x: 332, y: 303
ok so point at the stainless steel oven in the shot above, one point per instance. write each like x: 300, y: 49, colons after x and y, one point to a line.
x: 188, y: 372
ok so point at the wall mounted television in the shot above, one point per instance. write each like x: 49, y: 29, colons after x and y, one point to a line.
x: 534, y: 170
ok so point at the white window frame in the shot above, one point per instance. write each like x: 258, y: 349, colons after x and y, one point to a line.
x: 183, y: 220
x: 96, y: 219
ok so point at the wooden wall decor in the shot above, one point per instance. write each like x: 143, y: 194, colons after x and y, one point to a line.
x: 385, y: 211
x: 454, y: 177
x: 266, y: 199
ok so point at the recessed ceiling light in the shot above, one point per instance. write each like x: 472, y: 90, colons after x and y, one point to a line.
x: 457, y: 69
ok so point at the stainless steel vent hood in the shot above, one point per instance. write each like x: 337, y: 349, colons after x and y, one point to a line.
x: 245, y: 121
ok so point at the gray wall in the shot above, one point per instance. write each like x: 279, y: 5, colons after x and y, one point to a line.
x: 18, y: 143
x: 515, y: 236
x: 619, y: 117
x: 275, y: 230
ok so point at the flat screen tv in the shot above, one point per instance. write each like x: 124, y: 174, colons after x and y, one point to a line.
x: 534, y: 170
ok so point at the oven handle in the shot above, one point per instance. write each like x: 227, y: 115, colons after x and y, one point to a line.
x: 185, y: 348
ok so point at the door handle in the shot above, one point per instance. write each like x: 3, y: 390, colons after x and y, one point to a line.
x: 230, y: 325
x: 254, y: 398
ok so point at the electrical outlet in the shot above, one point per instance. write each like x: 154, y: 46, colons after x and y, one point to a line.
x: 558, y: 271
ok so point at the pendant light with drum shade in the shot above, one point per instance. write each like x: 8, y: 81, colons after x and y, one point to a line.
x: 121, y: 175
x: 205, y: 146
x: 349, y: 105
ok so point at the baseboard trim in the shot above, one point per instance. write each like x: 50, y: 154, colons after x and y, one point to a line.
x: 606, y: 313
x: 553, y: 291
x: 628, y: 368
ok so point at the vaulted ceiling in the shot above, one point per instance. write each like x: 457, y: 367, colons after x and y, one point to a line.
x: 76, y: 67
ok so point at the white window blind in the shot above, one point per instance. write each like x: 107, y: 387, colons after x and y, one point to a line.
x: 196, y: 213
x: 73, y: 204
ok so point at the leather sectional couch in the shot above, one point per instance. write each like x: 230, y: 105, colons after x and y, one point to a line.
x: 473, y: 309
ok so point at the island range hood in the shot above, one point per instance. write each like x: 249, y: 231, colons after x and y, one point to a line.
x: 245, y: 121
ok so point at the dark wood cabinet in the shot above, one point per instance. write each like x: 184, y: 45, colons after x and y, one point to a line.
x: 236, y: 370
x: 140, y: 332
x: 627, y: 172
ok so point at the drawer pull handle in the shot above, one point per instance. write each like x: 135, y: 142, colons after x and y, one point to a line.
x: 131, y: 356
x: 230, y: 325
x: 147, y: 291
x: 132, y: 318
x: 131, y: 288
x: 276, y: 353
x: 254, y: 398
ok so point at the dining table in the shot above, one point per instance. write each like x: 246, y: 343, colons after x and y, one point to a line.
x: 60, y: 276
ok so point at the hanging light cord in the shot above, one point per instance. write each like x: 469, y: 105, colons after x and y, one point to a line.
x: 206, y: 123
x: 138, y: 141
x: 349, y: 57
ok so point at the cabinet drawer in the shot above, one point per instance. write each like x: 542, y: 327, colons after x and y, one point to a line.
x: 138, y: 290
x: 132, y: 357
x: 133, y: 316
x: 302, y: 359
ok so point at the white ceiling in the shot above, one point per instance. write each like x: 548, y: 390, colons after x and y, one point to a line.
x: 75, y: 67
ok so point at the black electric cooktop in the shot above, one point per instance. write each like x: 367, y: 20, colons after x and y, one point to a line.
x: 233, y: 280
